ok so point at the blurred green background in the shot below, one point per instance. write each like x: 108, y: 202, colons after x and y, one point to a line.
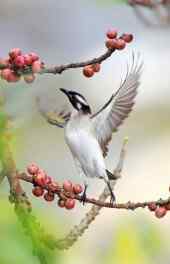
x: 66, y: 31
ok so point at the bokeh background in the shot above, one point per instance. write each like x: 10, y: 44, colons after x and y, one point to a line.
x: 66, y: 31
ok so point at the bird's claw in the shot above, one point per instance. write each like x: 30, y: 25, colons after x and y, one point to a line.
x: 112, y: 198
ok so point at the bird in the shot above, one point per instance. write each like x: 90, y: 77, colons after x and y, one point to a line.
x: 88, y: 134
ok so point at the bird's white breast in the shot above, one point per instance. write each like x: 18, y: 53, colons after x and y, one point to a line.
x: 84, y: 146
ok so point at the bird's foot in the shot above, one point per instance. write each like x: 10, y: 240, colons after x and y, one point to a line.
x: 83, y: 196
x: 112, y: 198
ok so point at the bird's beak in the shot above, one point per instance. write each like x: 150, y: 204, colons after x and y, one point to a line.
x: 65, y: 91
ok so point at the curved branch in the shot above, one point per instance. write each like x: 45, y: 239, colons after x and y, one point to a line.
x: 60, y: 68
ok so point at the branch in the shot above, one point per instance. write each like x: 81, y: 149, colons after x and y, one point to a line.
x: 159, y: 206
x: 60, y: 68
x: 27, y: 65
x: 62, y: 194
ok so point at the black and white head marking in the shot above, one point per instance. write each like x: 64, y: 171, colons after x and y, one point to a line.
x: 78, y: 101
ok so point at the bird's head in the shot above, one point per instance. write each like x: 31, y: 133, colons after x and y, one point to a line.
x: 77, y: 100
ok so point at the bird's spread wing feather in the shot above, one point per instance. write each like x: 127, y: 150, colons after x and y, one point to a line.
x: 54, y: 117
x: 111, y: 115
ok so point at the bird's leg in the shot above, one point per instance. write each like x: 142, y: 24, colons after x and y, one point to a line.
x: 83, y: 196
x: 112, y: 196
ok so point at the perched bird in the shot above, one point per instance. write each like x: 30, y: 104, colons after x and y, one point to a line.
x: 87, y: 134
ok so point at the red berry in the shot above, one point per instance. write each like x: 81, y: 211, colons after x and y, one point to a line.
x: 13, y: 77
x: 27, y: 59
x: 14, y: 53
x: 5, y: 74
x: 29, y: 78
x: 167, y: 206
x: 115, y: 44
x: 120, y: 44
x: 77, y: 188
x: 19, y: 61
x: 96, y: 67
x: 49, y: 196
x: 70, y: 203
x: 88, y: 71
x: 152, y: 206
x: 160, y: 212
x: 110, y: 43
x: 34, y: 56
x: 37, y: 191
x: 40, y: 177
x: 111, y: 34
x: 54, y: 186
x: 127, y: 37
x: 36, y: 66
x: 67, y: 186
x: 32, y: 169
x: 61, y: 203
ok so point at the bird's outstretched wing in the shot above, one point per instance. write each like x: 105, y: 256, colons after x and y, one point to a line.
x: 54, y: 117
x: 111, y: 115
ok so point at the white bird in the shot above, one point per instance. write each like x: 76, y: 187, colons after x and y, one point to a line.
x: 87, y: 134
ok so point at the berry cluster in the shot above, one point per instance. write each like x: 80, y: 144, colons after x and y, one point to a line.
x: 117, y: 43
x: 18, y: 64
x: 159, y: 210
x: 46, y: 187
x: 114, y: 43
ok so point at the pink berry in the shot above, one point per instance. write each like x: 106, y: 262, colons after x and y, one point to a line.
x: 152, y: 206
x: 29, y: 78
x: 49, y: 196
x: 70, y: 204
x: 32, y: 169
x: 14, y: 53
x: 160, y: 212
x: 111, y: 34
x: 13, y: 77
x: 48, y: 180
x: 34, y: 56
x: 37, y: 191
x: 67, y: 186
x: 88, y: 71
x: 77, y: 188
x: 19, y: 61
x: 36, y: 66
x: 27, y: 59
x: 5, y: 74
x: 61, y: 203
